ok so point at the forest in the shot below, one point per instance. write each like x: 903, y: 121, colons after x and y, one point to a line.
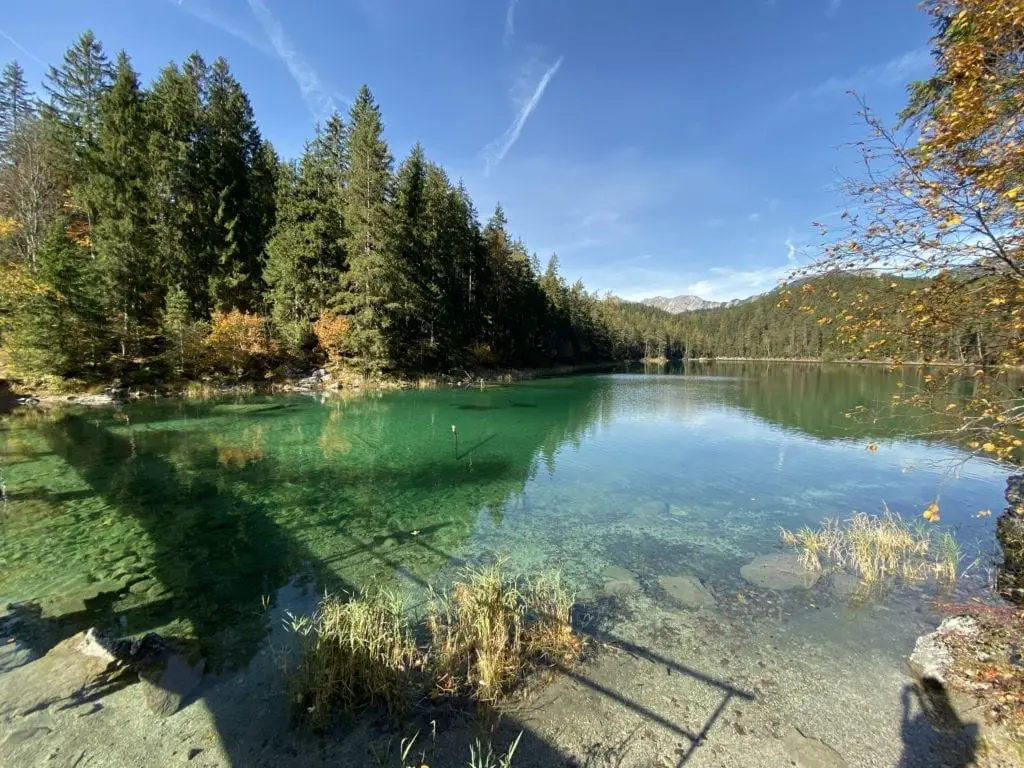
x: 152, y: 233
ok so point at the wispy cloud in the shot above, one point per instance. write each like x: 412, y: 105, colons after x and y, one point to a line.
x: 510, y: 21
x: 896, y: 71
x: 21, y: 48
x: 754, y: 217
x: 210, y: 17
x: 714, y: 223
x: 319, y: 99
x: 497, y: 150
x: 833, y: 5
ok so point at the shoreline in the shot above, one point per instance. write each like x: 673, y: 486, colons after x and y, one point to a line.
x: 12, y: 395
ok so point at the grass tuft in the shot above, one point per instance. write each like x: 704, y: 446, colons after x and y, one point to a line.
x: 481, y: 639
x: 879, y: 548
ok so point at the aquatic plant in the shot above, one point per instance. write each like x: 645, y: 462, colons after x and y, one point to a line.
x: 489, y: 630
x: 478, y: 640
x: 877, y: 548
x: 355, y: 653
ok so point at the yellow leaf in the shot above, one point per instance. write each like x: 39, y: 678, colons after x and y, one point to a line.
x: 988, y: 447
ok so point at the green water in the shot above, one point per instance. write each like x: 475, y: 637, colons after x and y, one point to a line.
x: 184, y: 517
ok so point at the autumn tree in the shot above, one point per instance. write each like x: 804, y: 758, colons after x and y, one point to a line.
x: 942, y: 197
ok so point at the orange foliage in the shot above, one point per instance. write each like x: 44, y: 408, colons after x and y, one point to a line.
x: 237, y: 340
x: 331, y: 330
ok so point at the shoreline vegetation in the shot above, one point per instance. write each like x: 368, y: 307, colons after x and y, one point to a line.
x: 149, y: 233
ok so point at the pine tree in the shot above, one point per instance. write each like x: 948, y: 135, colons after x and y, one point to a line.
x: 241, y: 176
x: 306, y: 254
x: 178, y: 185
x: 17, y: 107
x: 59, y: 327
x: 183, y: 336
x: 75, y: 89
x: 118, y: 188
x: 366, y: 293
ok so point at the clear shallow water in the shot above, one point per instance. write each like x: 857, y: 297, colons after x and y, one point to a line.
x: 181, y: 516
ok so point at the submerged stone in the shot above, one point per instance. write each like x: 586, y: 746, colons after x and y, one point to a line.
x: 687, y: 590
x: 779, y: 572
x: 619, y: 582
x: 811, y: 753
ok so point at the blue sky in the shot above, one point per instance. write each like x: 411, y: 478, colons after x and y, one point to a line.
x: 658, y: 147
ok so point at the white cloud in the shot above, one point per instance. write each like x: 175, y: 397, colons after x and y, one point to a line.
x: 896, y: 71
x: 714, y: 223
x: 319, y: 100
x: 510, y: 21
x: 754, y: 217
x: 833, y: 5
x: 21, y: 48
x: 497, y: 150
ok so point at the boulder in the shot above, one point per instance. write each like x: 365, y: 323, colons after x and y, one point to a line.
x: 779, y: 572
x: 687, y: 590
x: 71, y: 670
x: 844, y: 585
x: 931, y: 657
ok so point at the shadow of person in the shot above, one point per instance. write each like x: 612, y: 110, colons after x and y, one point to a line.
x: 933, y: 733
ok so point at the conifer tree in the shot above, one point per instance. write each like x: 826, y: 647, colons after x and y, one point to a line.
x: 75, y: 89
x: 118, y: 188
x: 306, y: 254
x: 367, y: 294
x: 17, y: 106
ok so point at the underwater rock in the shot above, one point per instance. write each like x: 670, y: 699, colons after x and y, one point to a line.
x: 619, y: 582
x: 811, y: 753
x: 167, y: 685
x: 844, y: 585
x: 687, y: 590
x: 779, y: 572
x: 931, y: 658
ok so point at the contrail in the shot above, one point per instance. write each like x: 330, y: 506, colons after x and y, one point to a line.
x: 504, y: 144
x: 318, y: 100
x: 21, y: 48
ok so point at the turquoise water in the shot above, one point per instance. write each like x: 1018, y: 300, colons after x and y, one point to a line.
x: 185, y: 517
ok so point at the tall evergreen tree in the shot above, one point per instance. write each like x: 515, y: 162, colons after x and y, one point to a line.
x: 241, y: 177
x: 178, y: 185
x: 366, y: 291
x: 17, y: 106
x: 118, y: 187
x: 75, y: 89
x: 306, y: 254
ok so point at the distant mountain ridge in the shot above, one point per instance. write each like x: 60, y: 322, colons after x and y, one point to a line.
x: 679, y: 304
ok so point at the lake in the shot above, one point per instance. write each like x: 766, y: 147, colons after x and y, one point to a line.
x: 187, y: 517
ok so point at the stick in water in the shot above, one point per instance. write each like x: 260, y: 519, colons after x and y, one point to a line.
x: 455, y: 440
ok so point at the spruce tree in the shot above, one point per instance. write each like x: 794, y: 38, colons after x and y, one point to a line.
x: 75, y: 89
x: 306, y: 254
x: 17, y: 107
x: 366, y: 290
x: 59, y: 327
x: 118, y: 188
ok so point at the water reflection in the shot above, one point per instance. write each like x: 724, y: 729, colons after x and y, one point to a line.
x: 182, y: 516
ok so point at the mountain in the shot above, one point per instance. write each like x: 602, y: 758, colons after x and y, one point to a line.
x: 678, y: 304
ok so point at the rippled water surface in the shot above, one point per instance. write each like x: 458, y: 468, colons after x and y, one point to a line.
x: 181, y: 516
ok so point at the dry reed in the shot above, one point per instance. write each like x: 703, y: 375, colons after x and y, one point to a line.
x: 878, y: 548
